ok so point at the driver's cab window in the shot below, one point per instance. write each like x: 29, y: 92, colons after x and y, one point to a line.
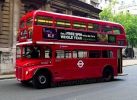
x: 31, y: 52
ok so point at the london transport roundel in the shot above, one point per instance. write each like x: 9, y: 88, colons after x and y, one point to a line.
x: 80, y: 64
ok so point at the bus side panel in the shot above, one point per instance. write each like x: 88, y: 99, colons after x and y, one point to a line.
x: 92, y: 68
x: 37, y: 33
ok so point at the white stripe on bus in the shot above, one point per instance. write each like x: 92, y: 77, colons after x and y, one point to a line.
x: 22, y: 43
x: 77, y: 44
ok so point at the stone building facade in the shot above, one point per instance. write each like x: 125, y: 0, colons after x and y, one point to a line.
x: 12, y: 10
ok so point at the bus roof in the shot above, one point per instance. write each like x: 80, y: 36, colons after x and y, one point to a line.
x: 35, y: 12
x: 73, y: 16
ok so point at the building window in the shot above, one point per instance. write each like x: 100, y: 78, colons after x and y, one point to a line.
x: 83, y: 0
x: 58, y: 9
x: 30, y: 7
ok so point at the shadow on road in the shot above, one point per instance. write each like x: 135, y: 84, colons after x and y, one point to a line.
x: 72, y: 83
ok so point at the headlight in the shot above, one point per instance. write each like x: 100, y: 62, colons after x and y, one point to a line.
x: 27, y: 72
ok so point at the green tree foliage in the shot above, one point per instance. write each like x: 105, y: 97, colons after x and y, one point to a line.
x: 126, y: 19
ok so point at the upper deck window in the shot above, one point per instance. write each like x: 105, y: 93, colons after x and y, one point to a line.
x: 106, y: 29
x: 63, y: 23
x: 116, y: 30
x: 93, y: 27
x: 22, y: 24
x: 29, y: 22
x: 79, y: 25
x: 44, y: 20
x: 111, y: 39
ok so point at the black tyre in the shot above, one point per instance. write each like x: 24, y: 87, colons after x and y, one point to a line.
x: 108, y: 75
x: 41, y: 81
x: 25, y: 82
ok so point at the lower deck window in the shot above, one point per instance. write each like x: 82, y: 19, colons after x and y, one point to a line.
x: 107, y: 54
x: 67, y: 54
x: 80, y: 54
x: 100, y: 54
x: 94, y: 54
x: 48, y: 53
x: 84, y: 54
x: 60, y: 54
x: 63, y: 54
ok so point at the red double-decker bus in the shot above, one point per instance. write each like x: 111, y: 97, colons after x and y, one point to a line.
x: 53, y: 47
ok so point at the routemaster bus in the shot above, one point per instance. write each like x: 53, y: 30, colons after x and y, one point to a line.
x: 53, y: 47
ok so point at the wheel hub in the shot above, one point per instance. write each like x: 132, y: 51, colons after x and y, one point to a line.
x: 42, y: 79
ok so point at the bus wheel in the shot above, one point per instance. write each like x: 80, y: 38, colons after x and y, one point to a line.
x: 41, y: 81
x: 108, y: 74
x: 25, y: 82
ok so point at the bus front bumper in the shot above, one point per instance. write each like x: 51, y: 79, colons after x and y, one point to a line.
x: 122, y: 74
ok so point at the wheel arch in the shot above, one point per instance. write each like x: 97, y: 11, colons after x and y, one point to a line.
x: 108, y: 73
x: 108, y: 67
x: 44, y: 70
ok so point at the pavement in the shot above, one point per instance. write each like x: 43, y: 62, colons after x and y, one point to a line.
x: 129, y: 62
x: 126, y: 62
x: 8, y: 76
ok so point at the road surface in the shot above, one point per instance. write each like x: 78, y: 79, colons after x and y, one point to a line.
x: 122, y: 88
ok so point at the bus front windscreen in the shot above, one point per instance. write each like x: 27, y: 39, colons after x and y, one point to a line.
x: 31, y: 52
x: 28, y: 52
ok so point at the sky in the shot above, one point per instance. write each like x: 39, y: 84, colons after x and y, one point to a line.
x: 128, y: 1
